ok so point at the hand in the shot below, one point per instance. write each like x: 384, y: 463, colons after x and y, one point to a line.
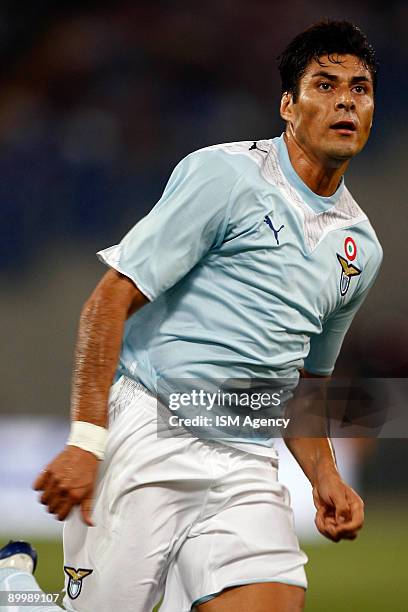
x: 340, y: 510
x: 68, y: 481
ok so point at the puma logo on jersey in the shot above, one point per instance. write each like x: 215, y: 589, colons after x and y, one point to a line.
x: 255, y: 146
x: 347, y: 271
x: 269, y: 223
x: 75, y: 580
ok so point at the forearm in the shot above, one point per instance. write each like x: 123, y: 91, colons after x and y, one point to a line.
x: 98, y: 346
x: 96, y: 356
x: 314, y: 455
x: 308, y: 439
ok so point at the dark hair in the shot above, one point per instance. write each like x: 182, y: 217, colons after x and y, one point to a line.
x: 327, y: 37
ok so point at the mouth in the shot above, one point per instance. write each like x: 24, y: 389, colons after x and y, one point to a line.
x: 344, y: 127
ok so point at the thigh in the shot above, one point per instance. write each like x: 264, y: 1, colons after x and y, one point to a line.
x: 261, y: 597
x: 117, y: 564
x: 245, y: 537
x: 122, y: 564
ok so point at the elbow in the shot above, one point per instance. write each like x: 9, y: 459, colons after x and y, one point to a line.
x: 115, y: 293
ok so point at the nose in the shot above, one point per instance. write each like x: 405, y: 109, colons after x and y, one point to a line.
x: 345, y: 101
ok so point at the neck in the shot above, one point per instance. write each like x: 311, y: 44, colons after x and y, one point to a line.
x: 323, y: 178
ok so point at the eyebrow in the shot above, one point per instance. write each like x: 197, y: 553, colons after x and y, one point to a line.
x: 333, y: 77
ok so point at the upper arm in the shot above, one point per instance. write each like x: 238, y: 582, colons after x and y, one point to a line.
x: 325, y: 347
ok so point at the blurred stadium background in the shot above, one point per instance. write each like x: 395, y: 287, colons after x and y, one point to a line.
x: 98, y: 102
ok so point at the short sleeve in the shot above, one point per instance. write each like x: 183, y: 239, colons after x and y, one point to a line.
x: 325, y: 347
x: 189, y: 219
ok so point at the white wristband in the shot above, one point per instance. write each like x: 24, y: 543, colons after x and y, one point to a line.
x: 89, y: 437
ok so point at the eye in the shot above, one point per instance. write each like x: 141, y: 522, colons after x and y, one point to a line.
x: 325, y: 86
x: 359, y: 89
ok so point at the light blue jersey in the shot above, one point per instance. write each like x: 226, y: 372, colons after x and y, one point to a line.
x: 249, y: 273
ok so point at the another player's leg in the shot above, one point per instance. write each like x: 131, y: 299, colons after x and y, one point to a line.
x: 261, y: 597
x: 18, y: 561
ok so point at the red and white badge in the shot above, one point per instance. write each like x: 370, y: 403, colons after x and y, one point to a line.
x: 350, y: 248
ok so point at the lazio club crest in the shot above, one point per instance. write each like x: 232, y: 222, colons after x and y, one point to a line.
x: 348, y: 270
x: 75, y: 580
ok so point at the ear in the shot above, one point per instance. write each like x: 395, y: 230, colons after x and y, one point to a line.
x: 286, y: 106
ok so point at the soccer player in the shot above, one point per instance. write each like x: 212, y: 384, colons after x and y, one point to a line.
x: 252, y: 265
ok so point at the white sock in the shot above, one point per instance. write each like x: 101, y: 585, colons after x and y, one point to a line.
x: 12, y: 579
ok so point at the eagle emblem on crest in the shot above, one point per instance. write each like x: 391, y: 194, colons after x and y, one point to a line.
x: 347, y: 271
x: 75, y: 580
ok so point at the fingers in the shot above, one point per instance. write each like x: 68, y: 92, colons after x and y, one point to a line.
x: 41, y: 480
x: 60, y: 497
x: 328, y: 525
x: 357, y: 512
x: 61, y: 503
x: 54, y: 490
x: 62, y: 511
x: 57, y: 499
x: 350, y: 517
x: 342, y: 509
x: 335, y: 532
x: 319, y: 522
x: 86, y: 509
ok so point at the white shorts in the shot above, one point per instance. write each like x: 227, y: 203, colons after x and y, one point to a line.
x: 178, y: 518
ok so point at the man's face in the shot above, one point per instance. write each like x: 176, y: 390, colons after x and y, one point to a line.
x: 332, y: 116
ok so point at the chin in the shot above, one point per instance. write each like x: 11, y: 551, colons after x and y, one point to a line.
x: 343, y: 152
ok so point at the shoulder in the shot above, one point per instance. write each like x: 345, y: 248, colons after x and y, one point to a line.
x: 368, y: 253
x: 365, y: 231
x: 234, y: 158
x: 376, y: 253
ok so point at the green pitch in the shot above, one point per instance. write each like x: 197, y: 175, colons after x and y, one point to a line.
x: 368, y: 575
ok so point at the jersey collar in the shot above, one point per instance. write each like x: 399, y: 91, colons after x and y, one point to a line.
x: 315, y: 202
